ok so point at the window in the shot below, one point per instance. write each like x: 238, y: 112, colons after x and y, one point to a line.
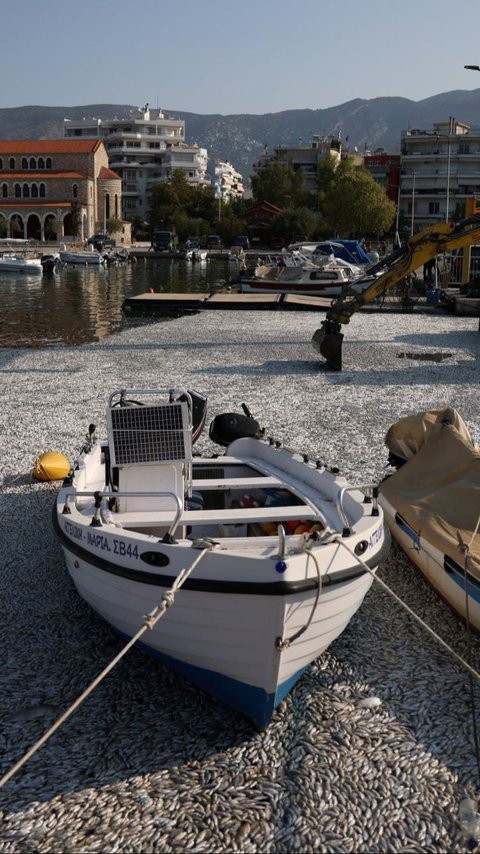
x: 41, y: 163
x: 26, y: 191
x: 434, y: 207
x: 42, y: 190
x: 75, y: 191
x: 34, y: 191
x: 5, y: 191
x: 18, y: 191
x: 33, y: 163
x: 49, y: 163
x: 24, y: 163
x: 11, y: 163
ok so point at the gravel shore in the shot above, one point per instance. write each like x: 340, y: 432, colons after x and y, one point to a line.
x: 149, y: 763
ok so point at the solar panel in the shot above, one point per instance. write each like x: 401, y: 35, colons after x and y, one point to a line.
x: 149, y: 434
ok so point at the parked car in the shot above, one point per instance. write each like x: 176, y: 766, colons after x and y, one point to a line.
x: 214, y: 241
x: 163, y: 240
x: 242, y: 240
x: 101, y: 241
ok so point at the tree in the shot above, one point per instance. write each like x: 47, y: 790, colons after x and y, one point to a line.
x: 293, y: 221
x: 356, y: 205
x: 112, y: 225
x: 278, y: 184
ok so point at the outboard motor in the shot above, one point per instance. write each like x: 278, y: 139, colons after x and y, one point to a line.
x: 228, y: 426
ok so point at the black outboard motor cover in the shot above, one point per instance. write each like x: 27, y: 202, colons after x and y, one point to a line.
x: 228, y: 426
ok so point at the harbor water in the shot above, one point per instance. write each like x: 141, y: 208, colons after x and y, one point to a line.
x: 77, y: 305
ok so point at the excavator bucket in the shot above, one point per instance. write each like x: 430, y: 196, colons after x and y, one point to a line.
x: 328, y: 342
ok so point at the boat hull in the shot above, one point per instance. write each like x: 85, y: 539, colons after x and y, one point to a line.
x: 225, y: 642
x: 459, y: 588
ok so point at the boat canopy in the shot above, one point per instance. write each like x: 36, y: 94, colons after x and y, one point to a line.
x: 347, y: 250
x: 436, y: 491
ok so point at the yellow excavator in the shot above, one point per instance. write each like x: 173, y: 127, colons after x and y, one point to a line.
x: 420, y: 249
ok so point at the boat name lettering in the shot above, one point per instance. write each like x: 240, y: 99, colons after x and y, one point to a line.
x: 121, y: 548
x: 98, y: 540
x: 376, y: 536
x: 74, y: 531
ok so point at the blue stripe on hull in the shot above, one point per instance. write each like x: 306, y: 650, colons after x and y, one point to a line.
x: 253, y: 702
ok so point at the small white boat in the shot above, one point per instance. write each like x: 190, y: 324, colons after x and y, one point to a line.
x: 12, y: 262
x: 196, y: 254
x: 284, y: 544
x: 88, y: 257
x: 294, y: 273
x: 237, y: 254
x: 432, y: 504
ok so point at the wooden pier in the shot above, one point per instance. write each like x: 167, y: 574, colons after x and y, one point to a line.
x: 178, y: 304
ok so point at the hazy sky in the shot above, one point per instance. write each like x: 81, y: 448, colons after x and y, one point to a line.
x: 234, y: 56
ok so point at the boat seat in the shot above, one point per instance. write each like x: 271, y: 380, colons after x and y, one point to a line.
x: 233, y: 516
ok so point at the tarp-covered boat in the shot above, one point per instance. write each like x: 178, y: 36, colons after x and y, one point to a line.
x: 432, y: 504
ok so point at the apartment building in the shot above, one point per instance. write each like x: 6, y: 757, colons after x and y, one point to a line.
x: 228, y: 182
x: 144, y: 149
x: 440, y: 170
x: 303, y: 158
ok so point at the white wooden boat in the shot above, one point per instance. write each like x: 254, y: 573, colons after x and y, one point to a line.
x: 280, y: 536
x: 12, y: 262
x: 88, y: 257
x: 432, y: 504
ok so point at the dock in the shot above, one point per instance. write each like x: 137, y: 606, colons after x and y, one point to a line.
x: 178, y: 304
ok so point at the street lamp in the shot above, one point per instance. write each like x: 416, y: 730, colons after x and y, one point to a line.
x: 413, y: 203
x: 447, y: 192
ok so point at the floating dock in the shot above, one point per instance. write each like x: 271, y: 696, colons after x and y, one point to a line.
x: 178, y: 304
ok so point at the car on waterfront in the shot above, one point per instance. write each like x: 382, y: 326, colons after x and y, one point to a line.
x: 214, y: 241
x: 242, y: 240
x: 101, y: 241
x: 164, y: 240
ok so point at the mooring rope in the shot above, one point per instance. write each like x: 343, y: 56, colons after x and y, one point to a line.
x: 149, y: 621
x: 409, y: 611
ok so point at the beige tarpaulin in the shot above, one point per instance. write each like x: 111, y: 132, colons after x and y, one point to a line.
x: 437, y: 491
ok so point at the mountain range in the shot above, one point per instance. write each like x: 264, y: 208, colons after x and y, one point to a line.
x: 240, y: 139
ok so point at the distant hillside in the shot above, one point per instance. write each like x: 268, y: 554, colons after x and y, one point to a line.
x: 366, y: 124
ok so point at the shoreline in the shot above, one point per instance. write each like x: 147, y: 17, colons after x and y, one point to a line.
x: 150, y: 763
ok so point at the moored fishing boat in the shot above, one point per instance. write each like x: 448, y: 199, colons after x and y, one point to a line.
x: 274, y: 552
x: 432, y: 504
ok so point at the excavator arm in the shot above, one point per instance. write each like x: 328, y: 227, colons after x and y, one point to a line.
x: 421, y: 247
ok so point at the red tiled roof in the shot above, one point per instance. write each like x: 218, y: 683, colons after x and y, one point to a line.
x: 49, y: 146
x: 39, y: 176
x: 108, y: 173
x: 32, y: 203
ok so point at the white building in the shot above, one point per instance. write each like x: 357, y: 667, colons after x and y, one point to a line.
x: 144, y: 149
x: 440, y: 169
x: 303, y: 158
x: 228, y: 182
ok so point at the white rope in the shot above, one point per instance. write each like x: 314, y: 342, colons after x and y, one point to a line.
x: 283, y: 644
x: 149, y: 621
x: 412, y: 613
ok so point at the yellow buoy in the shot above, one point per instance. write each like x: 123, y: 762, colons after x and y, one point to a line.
x: 51, y: 465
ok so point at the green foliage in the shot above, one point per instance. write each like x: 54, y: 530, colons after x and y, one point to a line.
x: 281, y: 186
x: 112, y: 225
x: 356, y: 205
x: 293, y: 221
x: 3, y: 226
